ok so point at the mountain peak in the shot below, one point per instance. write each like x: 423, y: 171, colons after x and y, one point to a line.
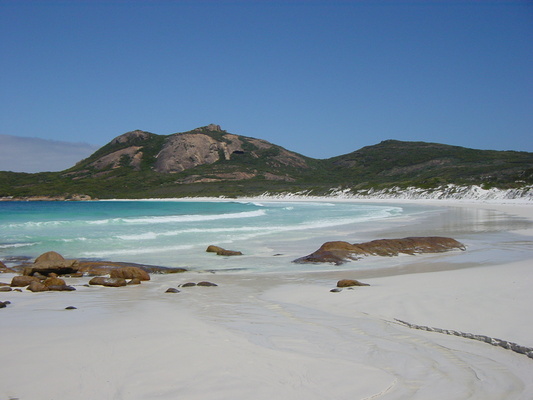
x: 214, y: 128
x: 210, y: 128
x: 136, y: 135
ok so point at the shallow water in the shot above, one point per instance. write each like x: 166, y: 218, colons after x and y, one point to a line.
x: 270, y: 234
x: 170, y: 233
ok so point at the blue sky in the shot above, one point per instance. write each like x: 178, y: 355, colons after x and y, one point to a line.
x: 321, y: 78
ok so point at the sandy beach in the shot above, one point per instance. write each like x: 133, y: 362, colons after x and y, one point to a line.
x: 264, y: 336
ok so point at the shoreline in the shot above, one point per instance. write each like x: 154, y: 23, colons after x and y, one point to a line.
x: 262, y: 335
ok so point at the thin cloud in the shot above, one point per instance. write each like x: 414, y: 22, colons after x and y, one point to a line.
x: 24, y: 154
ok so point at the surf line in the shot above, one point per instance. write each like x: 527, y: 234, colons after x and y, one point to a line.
x: 527, y: 351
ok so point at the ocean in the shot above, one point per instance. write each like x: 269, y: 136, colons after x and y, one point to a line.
x: 270, y: 234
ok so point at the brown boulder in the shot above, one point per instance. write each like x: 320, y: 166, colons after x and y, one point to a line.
x: 3, y: 268
x: 204, y: 283
x: 130, y: 273
x: 410, y: 245
x: 5, y: 289
x: 350, y: 282
x: 54, y: 281
x: 320, y: 256
x: 52, y: 262
x: 21, y: 280
x: 222, y: 252
x: 49, y: 256
x: 134, y: 281
x: 337, y: 246
x: 36, y: 286
x: 112, y: 282
x: 339, y: 252
x: 61, y: 288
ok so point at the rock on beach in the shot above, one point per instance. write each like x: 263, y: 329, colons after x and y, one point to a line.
x: 4, y: 268
x: 130, y: 273
x: 22, y: 280
x: 51, y: 262
x: 222, y: 252
x: 111, y: 282
x: 338, y: 252
x: 349, y: 283
x: 37, y: 286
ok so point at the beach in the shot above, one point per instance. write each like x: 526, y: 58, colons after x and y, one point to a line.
x: 285, y: 334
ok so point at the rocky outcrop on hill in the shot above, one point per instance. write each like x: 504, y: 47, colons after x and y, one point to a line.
x: 339, y: 252
x: 132, y: 154
x: 133, y: 136
x: 187, y: 150
x: 208, y: 145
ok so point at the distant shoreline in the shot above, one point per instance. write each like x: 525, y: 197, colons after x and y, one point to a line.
x: 449, y: 192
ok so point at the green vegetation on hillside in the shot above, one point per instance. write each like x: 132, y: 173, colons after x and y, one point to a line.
x: 256, y: 170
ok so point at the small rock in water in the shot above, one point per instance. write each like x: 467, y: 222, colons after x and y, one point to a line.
x: 222, y: 252
x: 2, y: 304
x: 172, y: 290
x: 350, y: 282
x: 188, y: 284
x: 134, y: 281
x: 336, y: 290
x: 5, y: 289
x: 204, y: 283
x: 71, y: 308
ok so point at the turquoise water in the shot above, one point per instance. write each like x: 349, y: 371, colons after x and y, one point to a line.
x: 176, y: 233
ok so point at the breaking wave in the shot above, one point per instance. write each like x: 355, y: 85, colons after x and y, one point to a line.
x: 139, y: 220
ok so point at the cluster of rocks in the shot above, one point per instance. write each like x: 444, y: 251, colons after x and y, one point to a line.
x: 338, y: 252
x: 43, y: 274
x: 36, y: 284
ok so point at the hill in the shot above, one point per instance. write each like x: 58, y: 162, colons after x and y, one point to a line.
x: 209, y: 161
x: 422, y: 164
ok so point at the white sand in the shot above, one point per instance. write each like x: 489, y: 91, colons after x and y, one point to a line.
x: 285, y: 337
